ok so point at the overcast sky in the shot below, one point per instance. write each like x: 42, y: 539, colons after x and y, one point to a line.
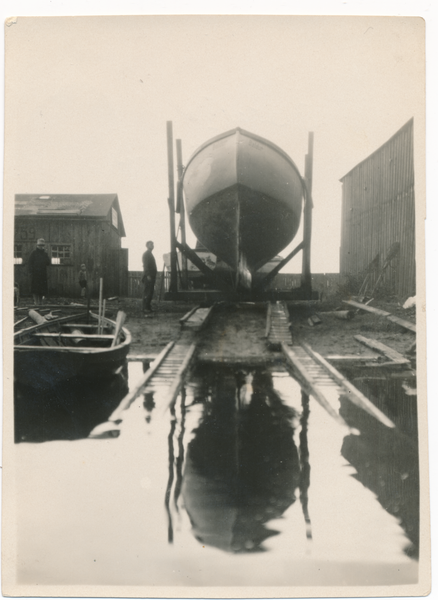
x: 88, y: 100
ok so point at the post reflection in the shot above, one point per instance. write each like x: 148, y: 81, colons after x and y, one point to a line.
x: 305, y: 464
x: 242, y: 468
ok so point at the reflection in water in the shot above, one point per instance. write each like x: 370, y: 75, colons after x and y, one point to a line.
x: 171, y: 474
x: 235, y: 468
x: 305, y: 464
x: 386, y: 460
x: 149, y: 405
x: 242, y: 466
x: 66, y: 412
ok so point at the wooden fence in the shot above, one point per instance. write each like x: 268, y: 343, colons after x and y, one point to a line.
x: 326, y: 284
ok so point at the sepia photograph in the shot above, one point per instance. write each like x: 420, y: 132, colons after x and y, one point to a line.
x: 215, y: 375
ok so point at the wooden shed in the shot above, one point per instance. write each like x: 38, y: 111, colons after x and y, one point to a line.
x: 85, y: 228
x: 378, y: 216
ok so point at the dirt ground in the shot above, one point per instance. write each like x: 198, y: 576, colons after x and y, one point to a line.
x: 241, y: 331
x: 238, y: 330
x: 335, y: 336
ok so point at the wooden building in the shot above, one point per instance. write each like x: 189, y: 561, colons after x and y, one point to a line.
x: 378, y: 216
x: 77, y: 229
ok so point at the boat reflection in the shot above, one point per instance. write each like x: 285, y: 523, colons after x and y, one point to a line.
x: 242, y: 467
x: 68, y: 411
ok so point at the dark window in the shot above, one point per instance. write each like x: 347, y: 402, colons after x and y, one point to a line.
x: 61, y: 254
x: 18, y: 254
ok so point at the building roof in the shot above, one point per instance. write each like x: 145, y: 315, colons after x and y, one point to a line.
x: 67, y: 205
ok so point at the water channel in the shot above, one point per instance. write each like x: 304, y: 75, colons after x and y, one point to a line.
x: 244, y: 481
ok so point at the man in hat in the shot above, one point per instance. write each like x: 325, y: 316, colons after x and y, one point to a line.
x: 149, y: 276
x: 38, y: 262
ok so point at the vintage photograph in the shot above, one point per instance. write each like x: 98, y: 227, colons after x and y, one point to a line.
x: 217, y: 383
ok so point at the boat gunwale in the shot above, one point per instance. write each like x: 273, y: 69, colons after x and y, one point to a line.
x: 71, y: 349
x: 254, y: 136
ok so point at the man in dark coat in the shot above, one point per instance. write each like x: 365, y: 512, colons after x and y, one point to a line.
x: 149, y: 277
x: 38, y: 262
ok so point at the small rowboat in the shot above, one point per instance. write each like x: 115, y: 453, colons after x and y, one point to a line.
x: 69, y: 348
x: 244, y: 198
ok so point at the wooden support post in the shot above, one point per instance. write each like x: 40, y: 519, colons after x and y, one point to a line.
x: 100, y: 304
x: 171, y: 200
x: 306, y: 275
x: 182, y: 212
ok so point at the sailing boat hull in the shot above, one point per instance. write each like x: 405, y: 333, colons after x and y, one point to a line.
x: 244, y: 198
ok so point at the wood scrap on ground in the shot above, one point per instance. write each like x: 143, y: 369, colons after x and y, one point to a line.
x: 403, y: 323
x: 371, y: 309
x: 314, y: 320
x: 395, y: 357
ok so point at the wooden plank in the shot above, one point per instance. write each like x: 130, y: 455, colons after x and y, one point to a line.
x: 121, y: 316
x: 188, y: 315
x: 132, y: 395
x: 88, y: 336
x: 179, y: 377
x: 405, y: 324
x: 311, y: 388
x: 140, y: 357
x: 393, y: 355
x: 350, y: 361
x: 371, y: 309
x: 353, y: 393
x: 350, y: 357
x: 84, y: 325
x: 268, y: 319
x: 198, y: 319
x: 20, y: 321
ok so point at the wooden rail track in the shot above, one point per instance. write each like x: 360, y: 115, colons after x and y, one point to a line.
x: 318, y: 378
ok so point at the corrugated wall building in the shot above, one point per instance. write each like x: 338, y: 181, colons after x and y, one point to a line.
x: 378, y: 213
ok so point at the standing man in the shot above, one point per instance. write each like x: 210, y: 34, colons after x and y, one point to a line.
x: 149, y: 277
x: 38, y: 262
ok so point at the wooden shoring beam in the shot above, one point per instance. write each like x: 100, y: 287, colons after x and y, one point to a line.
x: 270, y: 276
x: 194, y: 258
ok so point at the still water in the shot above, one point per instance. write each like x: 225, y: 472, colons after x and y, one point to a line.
x: 244, y: 481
